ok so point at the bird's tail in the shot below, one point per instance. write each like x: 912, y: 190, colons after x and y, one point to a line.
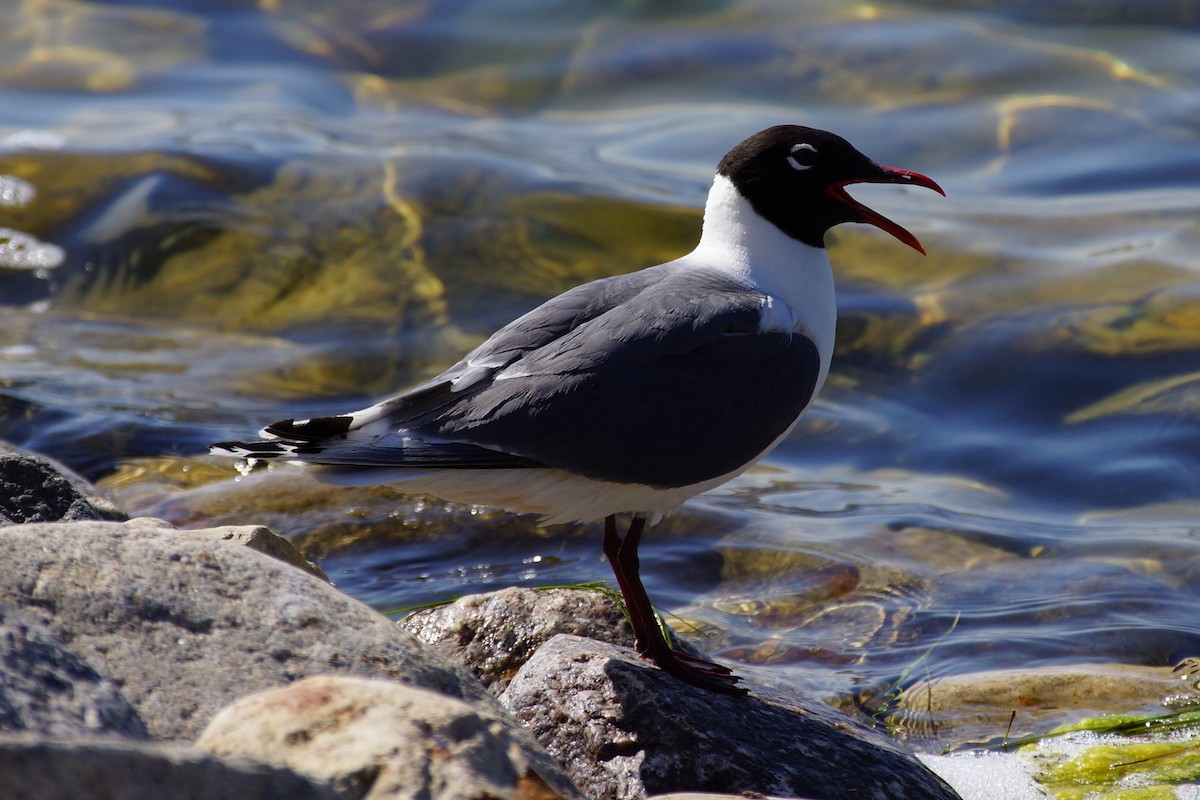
x: 284, y: 450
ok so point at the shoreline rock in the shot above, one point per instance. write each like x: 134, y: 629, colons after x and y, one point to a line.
x: 187, y: 623
x: 380, y: 739
x: 134, y: 630
x: 39, y: 768
x: 34, y: 488
x: 495, y: 633
x: 47, y: 689
x: 627, y: 730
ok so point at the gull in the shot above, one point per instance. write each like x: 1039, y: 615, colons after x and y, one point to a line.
x: 630, y: 394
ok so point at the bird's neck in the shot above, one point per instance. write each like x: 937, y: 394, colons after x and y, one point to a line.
x: 745, y: 246
x: 796, y: 278
x: 752, y: 249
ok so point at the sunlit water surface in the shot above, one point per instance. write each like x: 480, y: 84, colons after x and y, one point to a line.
x: 216, y: 215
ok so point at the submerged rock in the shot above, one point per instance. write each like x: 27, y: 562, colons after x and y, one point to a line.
x: 81, y: 48
x: 987, y: 707
x: 378, y: 739
x: 625, y: 730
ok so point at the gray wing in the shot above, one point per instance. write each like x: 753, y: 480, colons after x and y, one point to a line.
x: 672, y: 387
x: 657, y: 378
x: 524, y: 336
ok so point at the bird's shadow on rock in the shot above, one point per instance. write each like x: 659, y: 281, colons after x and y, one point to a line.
x: 701, y: 741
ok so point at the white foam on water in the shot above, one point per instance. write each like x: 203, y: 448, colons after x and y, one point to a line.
x: 987, y: 776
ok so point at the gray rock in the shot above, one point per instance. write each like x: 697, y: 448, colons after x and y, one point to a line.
x: 264, y: 540
x: 185, y: 625
x: 377, y: 739
x: 41, y: 769
x: 625, y: 729
x: 714, y: 796
x: 35, y: 489
x: 46, y: 689
x: 495, y: 633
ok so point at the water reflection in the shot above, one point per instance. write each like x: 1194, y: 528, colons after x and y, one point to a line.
x: 216, y: 215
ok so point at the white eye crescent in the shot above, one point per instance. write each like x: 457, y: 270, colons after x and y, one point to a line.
x: 797, y: 148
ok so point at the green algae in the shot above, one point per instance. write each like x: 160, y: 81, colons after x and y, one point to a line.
x: 1102, y: 768
x: 1119, y: 757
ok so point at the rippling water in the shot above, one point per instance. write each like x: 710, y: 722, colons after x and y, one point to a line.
x: 220, y: 214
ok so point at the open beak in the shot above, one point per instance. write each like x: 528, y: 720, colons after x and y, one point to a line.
x: 887, y: 175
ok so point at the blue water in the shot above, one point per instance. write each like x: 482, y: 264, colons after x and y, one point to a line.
x: 245, y: 215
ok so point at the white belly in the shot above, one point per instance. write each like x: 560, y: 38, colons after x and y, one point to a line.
x: 556, y: 495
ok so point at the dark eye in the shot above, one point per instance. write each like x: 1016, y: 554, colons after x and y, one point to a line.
x: 803, y: 156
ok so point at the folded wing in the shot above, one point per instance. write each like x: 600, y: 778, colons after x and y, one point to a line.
x: 658, y: 378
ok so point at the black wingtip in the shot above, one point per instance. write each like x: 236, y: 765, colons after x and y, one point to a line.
x: 309, y: 430
x: 251, y: 449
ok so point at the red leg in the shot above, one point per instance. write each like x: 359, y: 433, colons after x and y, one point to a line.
x: 633, y: 601
x: 648, y: 636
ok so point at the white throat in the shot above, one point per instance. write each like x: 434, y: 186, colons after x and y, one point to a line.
x: 796, y: 277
